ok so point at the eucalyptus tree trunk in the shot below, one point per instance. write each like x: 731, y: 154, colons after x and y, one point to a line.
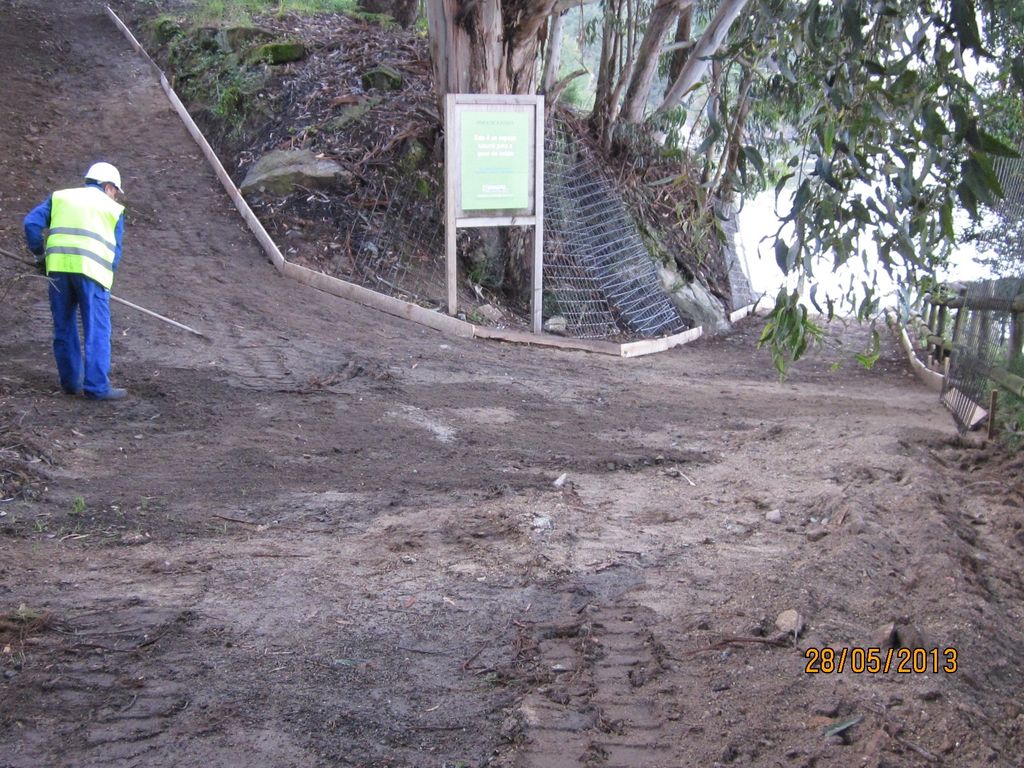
x: 699, y: 60
x: 663, y: 15
x: 552, y: 53
x: 681, y: 45
x: 486, y: 46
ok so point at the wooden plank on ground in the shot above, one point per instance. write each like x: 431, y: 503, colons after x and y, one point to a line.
x: 547, y: 340
x: 651, y: 346
x: 742, y: 312
x: 928, y: 377
x: 379, y: 301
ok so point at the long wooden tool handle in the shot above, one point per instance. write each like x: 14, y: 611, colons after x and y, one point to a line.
x: 119, y: 300
x: 151, y: 313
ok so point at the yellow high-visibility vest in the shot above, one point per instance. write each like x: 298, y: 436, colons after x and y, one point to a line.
x: 82, y: 237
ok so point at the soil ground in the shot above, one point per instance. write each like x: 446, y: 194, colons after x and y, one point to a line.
x: 328, y: 537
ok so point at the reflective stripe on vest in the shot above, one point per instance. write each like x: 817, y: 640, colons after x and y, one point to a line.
x: 82, y: 237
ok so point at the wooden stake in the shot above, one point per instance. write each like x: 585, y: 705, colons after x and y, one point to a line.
x: 992, y: 402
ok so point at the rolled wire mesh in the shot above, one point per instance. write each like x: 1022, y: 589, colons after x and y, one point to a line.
x: 982, y: 342
x: 602, y: 278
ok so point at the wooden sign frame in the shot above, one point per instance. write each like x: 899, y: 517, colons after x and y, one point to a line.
x: 456, y: 105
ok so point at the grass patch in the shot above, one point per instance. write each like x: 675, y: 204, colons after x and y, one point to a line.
x: 242, y: 11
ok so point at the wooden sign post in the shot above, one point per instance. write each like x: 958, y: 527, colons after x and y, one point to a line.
x: 494, y: 176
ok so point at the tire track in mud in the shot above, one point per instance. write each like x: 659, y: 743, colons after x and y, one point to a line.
x: 97, y: 686
x: 587, y: 704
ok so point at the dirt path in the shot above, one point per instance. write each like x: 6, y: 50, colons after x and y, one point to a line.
x: 329, y: 537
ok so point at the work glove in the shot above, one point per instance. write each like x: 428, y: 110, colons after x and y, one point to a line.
x: 41, y: 265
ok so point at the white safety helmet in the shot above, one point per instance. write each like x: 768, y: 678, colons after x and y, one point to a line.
x: 104, y: 173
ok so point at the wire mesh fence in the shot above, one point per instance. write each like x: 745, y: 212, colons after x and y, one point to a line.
x: 985, y: 339
x: 598, y: 274
x: 602, y: 278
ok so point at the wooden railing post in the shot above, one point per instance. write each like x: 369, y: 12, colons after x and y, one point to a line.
x: 940, y: 330
x: 984, y: 329
x: 933, y: 310
x: 958, y: 320
x: 1016, y: 339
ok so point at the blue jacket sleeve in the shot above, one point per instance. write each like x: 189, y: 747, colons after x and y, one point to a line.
x: 35, y: 222
x: 118, y: 240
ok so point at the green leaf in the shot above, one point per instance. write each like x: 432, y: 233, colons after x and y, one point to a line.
x: 785, y: 70
x: 995, y: 146
x: 754, y: 158
x: 946, y: 219
x: 978, y: 174
x: 869, y: 357
x: 872, y: 67
x: 934, y: 126
x: 852, y: 22
x: 964, y: 18
x: 800, y: 200
x: 781, y: 184
x: 813, y: 300
x: 782, y: 255
x: 1017, y: 73
x: 715, y: 132
x: 837, y: 728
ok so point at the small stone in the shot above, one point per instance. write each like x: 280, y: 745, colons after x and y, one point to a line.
x: 491, y: 312
x: 773, y: 516
x: 561, y: 480
x: 829, y: 709
x: 382, y: 77
x: 277, y: 53
x: 885, y: 636
x: 909, y: 636
x: 280, y: 170
x: 816, y: 534
x: 790, y: 621
x: 541, y: 522
x: 557, y: 325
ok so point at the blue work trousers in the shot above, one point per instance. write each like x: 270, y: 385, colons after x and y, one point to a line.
x: 71, y: 294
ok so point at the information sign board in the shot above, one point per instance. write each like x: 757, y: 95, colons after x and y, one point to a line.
x: 495, y: 159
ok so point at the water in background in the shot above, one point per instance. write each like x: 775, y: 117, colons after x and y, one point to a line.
x: 758, y: 223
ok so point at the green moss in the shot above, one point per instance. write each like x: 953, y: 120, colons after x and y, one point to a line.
x: 210, y: 78
x: 280, y: 52
x: 423, y: 188
x: 351, y: 114
x: 164, y: 28
x: 655, y: 246
x: 380, y: 19
x: 383, y: 78
x: 238, y: 38
x: 413, y: 157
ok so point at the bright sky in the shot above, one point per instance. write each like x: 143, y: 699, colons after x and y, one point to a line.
x: 758, y: 220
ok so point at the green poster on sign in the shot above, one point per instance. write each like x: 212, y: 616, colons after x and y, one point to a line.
x: 495, y: 161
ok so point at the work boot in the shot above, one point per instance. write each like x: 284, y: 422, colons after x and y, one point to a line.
x: 114, y: 393
x: 69, y: 391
